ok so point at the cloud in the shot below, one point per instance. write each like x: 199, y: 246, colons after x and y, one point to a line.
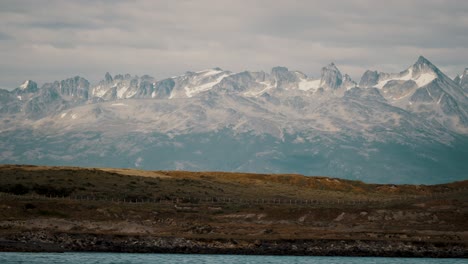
x: 49, y: 40
x: 4, y: 36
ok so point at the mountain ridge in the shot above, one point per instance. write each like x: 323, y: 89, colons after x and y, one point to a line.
x: 328, y: 125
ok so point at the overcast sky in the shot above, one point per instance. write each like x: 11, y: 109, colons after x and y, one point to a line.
x: 47, y: 40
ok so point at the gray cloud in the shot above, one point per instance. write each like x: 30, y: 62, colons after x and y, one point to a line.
x: 53, y: 39
x: 4, y: 36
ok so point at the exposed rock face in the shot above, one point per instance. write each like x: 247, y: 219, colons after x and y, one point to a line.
x: 282, y: 77
x: 163, y: 89
x: 27, y: 87
x: 48, y: 101
x: 399, y: 88
x: 348, y: 82
x: 331, y: 77
x: 108, y: 78
x: 74, y: 89
x: 9, y: 103
x: 423, y: 65
x: 369, y: 79
x: 242, y: 82
x: 464, y: 81
x: 367, y: 94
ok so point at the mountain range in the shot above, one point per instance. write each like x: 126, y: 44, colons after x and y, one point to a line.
x: 406, y: 127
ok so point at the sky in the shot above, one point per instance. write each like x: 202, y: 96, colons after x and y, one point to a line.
x: 47, y: 40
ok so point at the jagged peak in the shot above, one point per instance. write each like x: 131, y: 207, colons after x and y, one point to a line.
x: 25, y: 84
x: 108, y: 77
x: 76, y: 77
x: 279, y: 69
x: 423, y: 65
x: 422, y: 62
x: 375, y: 72
x: 331, y: 77
x: 330, y: 66
x: 29, y: 86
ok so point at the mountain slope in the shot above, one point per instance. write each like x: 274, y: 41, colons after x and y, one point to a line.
x: 423, y: 89
x: 402, y: 127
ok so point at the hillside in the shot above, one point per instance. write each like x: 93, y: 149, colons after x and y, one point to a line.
x: 215, y: 209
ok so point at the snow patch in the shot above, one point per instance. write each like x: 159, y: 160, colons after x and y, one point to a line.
x: 74, y: 116
x: 130, y: 94
x: 209, y: 72
x: 405, y: 77
x: 268, y: 86
x: 191, y: 91
x: 440, y: 99
x: 119, y: 104
x: 421, y: 80
x: 306, y: 85
x: 19, y: 97
x: 121, y: 91
x: 25, y: 85
x: 425, y: 78
x: 63, y: 115
x: 99, y: 91
x: 138, y: 161
x: 298, y: 140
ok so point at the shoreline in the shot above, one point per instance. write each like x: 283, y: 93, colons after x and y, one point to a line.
x: 67, y: 242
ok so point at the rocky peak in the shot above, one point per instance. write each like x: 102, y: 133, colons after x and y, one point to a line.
x: 348, y: 82
x: 369, y: 79
x: 457, y: 79
x: 278, y: 69
x: 464, y: 80
x: 422, y: 60
x: 282, y: 76
x: 331, y: 77
x: 423, y: 65
x: 76, y: 87
x: 28, y: 87
x: 279, y: 72
x: 119, y: 77
x: 108, y: 77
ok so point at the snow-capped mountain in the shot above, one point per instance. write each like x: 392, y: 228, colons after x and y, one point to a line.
x: 393, y: 127
x: 423, y: 89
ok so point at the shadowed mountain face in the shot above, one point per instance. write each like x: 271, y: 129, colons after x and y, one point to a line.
x: 407, y: 127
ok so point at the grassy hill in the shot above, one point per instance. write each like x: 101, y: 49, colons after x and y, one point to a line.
x: 220, y: 205
x: 138, y: 184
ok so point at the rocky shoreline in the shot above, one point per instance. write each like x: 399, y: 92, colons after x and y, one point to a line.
x: 68, y: 242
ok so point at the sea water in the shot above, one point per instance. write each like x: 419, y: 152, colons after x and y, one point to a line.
x: 121, y: 258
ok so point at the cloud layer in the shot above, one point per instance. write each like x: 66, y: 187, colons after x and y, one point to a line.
x: 46, y: 40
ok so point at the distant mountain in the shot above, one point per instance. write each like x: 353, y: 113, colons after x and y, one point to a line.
x: 406, y: 127
x: 462, y: 81
x: 423, y: 89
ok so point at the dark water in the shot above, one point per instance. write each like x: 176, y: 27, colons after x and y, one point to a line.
x: 108, y: 258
